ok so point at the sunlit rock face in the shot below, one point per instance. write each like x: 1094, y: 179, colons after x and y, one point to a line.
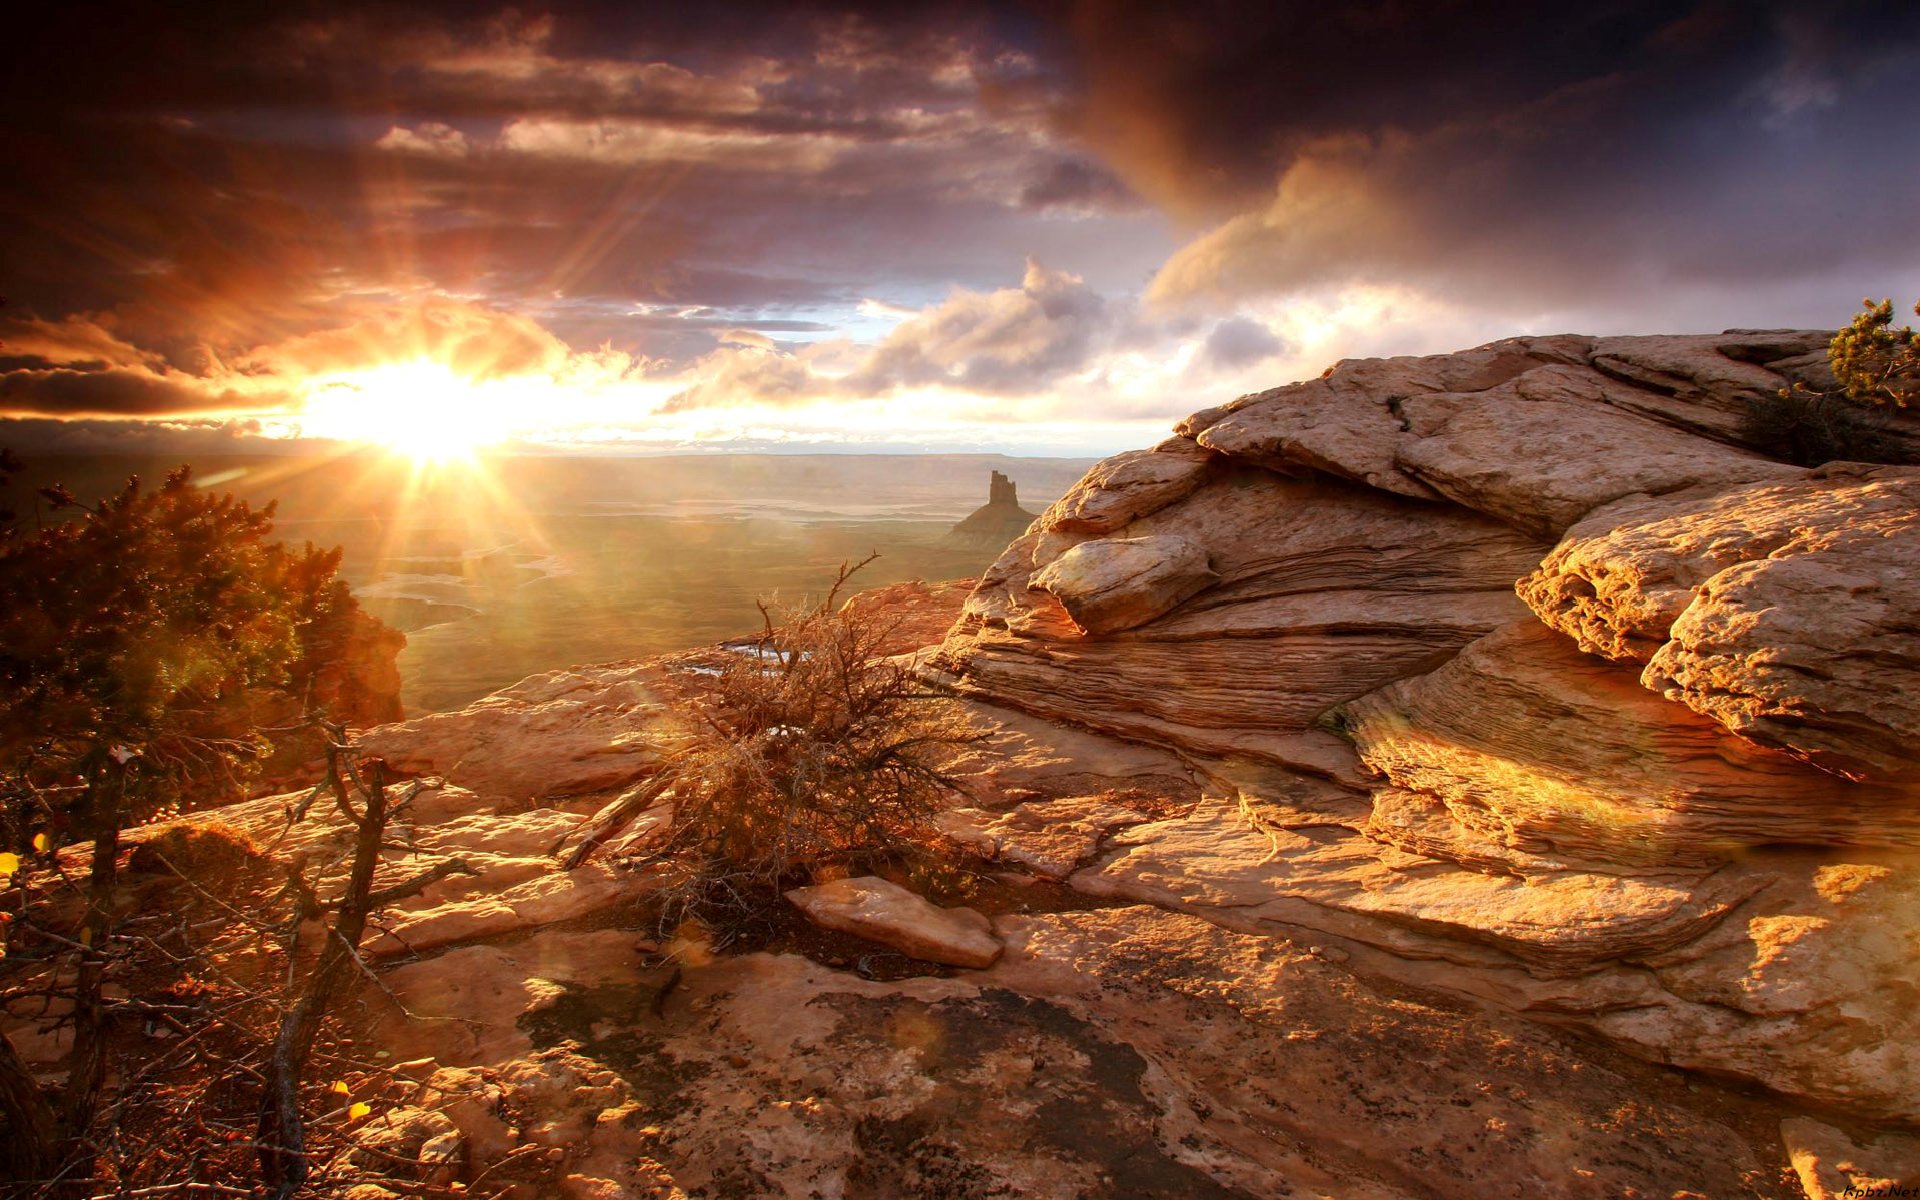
x: 1657, y: 780
x: 1784, y: 611
x: 1324, y: 590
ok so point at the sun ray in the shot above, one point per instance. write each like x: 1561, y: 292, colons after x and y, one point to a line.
x: 419, y: 409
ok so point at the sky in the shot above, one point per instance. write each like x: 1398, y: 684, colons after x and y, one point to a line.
x: 1039, y: 228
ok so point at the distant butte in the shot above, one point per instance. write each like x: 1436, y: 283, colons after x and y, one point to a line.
x: 1001, y: 518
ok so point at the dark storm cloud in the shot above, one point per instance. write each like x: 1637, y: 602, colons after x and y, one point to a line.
x: 112, y: 390
x: 223, y: 178
x: 34, y: 437
x: 225, y: 187
x: 1076, y: 185
x: 1536, y: 153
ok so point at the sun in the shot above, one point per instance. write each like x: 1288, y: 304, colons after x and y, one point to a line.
x: 423, y: 410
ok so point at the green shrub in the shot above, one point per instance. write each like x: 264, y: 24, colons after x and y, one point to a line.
x: 1877, y: 368
x: 1874, y: 362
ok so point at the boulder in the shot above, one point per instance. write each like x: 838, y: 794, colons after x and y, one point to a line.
x: 1127, y: 486
x: 1782, y: 611
x: 1118, y: 583
x: 883, y: 912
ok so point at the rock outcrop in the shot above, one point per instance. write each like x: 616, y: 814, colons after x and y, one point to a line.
x: 1658, y: 780
x: 1336, y: 752
x: 1783, y: 611
x: 999, y: 519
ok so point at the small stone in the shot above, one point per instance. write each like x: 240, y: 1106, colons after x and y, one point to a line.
x: 883, y: 912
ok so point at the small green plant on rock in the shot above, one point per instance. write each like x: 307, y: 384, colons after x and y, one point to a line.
x: 1875, y: 363
x: 812, y: 755
x: 1876, y: 370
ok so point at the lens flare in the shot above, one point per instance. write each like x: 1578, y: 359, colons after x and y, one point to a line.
x: 423, y: 410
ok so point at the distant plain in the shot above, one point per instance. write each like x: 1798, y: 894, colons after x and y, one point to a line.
x: 508, y: 567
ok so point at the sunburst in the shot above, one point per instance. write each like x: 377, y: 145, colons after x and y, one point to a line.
x: 423, y: 410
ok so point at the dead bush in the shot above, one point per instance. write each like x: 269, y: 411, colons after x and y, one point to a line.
x: 813, y: 754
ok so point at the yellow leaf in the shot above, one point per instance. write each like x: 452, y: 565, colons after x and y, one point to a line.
x: 42, y: 843
x: 86, y: 937
x: 340, y: 1086
x: 9, y: 862
x: 359, y: 1109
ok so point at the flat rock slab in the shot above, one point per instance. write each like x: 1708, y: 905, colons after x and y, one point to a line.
x: 1121, y: 1054
x: 883, y: 912
x: 558, y: 734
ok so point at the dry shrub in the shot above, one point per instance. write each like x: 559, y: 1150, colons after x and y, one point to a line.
x: 202, y: 851
x: 814, y: 755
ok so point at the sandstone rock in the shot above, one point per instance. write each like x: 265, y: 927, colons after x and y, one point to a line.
x: 1337, y: 429
x: 476, y: 1005
x: 1347, y: 589
x: 1350, y: 423
x: 1021, y: 757
x: 1294, y: 1055
x: 912, y: 614
x: 558, y: 734
x: 1216, y: 864
x: 474, y: 1103
x: 411, y: 1143
x: 1051, y: 838
x: 1536, y: 431
x: 1119, y: 583
x: 1127, y: 486
x: 1768, y: 346
x: 1698, y: 366
x: 883, y: 912
x: 1122, y: 1051
x: 1546, y: 448
x: 496, y: 908
x: 1536, y: 749
x: 1781, y: 611
x: 1832, y: 1166
x: 1804, y: 987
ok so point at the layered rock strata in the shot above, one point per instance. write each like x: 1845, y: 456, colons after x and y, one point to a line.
x: 1521, y: 677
